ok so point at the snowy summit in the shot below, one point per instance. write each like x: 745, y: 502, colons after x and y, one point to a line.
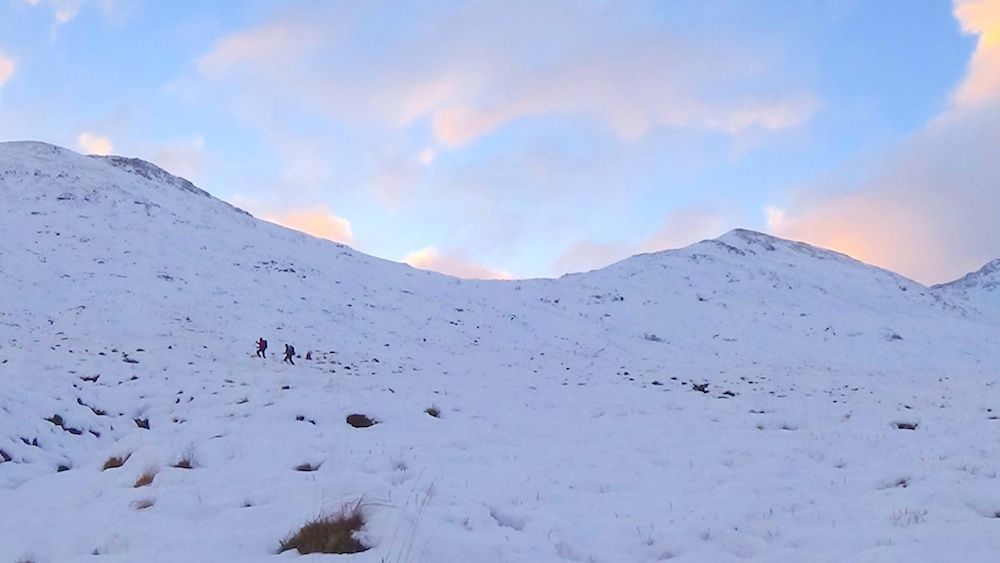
x: 743, y: 398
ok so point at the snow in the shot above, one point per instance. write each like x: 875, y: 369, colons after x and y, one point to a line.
x: 569, y: 428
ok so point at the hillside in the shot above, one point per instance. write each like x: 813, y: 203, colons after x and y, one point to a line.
x: 569, y: 428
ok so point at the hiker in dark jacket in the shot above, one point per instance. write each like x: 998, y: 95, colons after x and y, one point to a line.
x: 289, y: 352
x: 262, y: 348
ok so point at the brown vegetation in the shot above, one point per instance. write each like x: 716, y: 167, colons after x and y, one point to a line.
x: 328, y: 534
x: 115, y: 462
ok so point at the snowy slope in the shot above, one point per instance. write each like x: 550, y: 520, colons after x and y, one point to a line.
x: 569, y: 429
x: 978, y: 290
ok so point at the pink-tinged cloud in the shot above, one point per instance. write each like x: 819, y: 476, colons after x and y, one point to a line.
x: 7, y: 67
x: 267, y: 49
x: 928, y: 209
x: 550, y: 60
x: 453, y: 265
x: 318, y: 221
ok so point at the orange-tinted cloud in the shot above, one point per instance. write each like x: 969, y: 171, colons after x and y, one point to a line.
x: 877, y: 227
x: 453, y: 265
x: 316, y: 220
x: 982, y: 80
x: 94, y: 144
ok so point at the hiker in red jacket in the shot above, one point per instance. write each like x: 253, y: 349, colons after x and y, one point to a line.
x: 262, y: 348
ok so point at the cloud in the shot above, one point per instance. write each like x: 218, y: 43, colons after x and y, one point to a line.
x: 94, y: 144
x: 457, y: 265
x: 65, y: 11
x: 427, y: 156
x: 475, y: 68
x: 927, y: 209
x: 317, y: 220
x: 268, y: 49
x: 982, y: 80
x: 7, y: 67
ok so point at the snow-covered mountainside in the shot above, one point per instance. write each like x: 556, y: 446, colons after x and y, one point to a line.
x: 979, y: 289
x: 848, y: 413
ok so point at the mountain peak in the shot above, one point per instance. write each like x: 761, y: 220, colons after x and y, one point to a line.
x: 68, y: 172
x: 987, y: 277
x: 746, y: 238
x: 151, y: 171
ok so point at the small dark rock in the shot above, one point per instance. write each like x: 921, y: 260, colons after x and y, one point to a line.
x: 360, y: 421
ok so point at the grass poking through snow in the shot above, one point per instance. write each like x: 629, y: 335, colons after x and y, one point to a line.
x: 115, y: 462
x: 329, y: 534
x: 145, y: 479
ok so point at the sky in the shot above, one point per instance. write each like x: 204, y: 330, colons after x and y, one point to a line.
x: 534, y: 138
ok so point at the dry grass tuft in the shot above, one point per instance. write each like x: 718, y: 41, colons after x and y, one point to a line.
x: 187, y: 459
x: 145, y: 479
x: 329, y: 534
x: 184, y: 463
x: 115, y: 462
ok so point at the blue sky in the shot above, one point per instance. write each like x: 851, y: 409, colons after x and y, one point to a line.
x: 535, y: 138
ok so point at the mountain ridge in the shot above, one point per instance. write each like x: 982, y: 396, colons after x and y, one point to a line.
x: 737, y: 238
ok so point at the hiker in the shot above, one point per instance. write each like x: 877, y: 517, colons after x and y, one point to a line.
x: 262, y: 348
x: 289, y: 352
